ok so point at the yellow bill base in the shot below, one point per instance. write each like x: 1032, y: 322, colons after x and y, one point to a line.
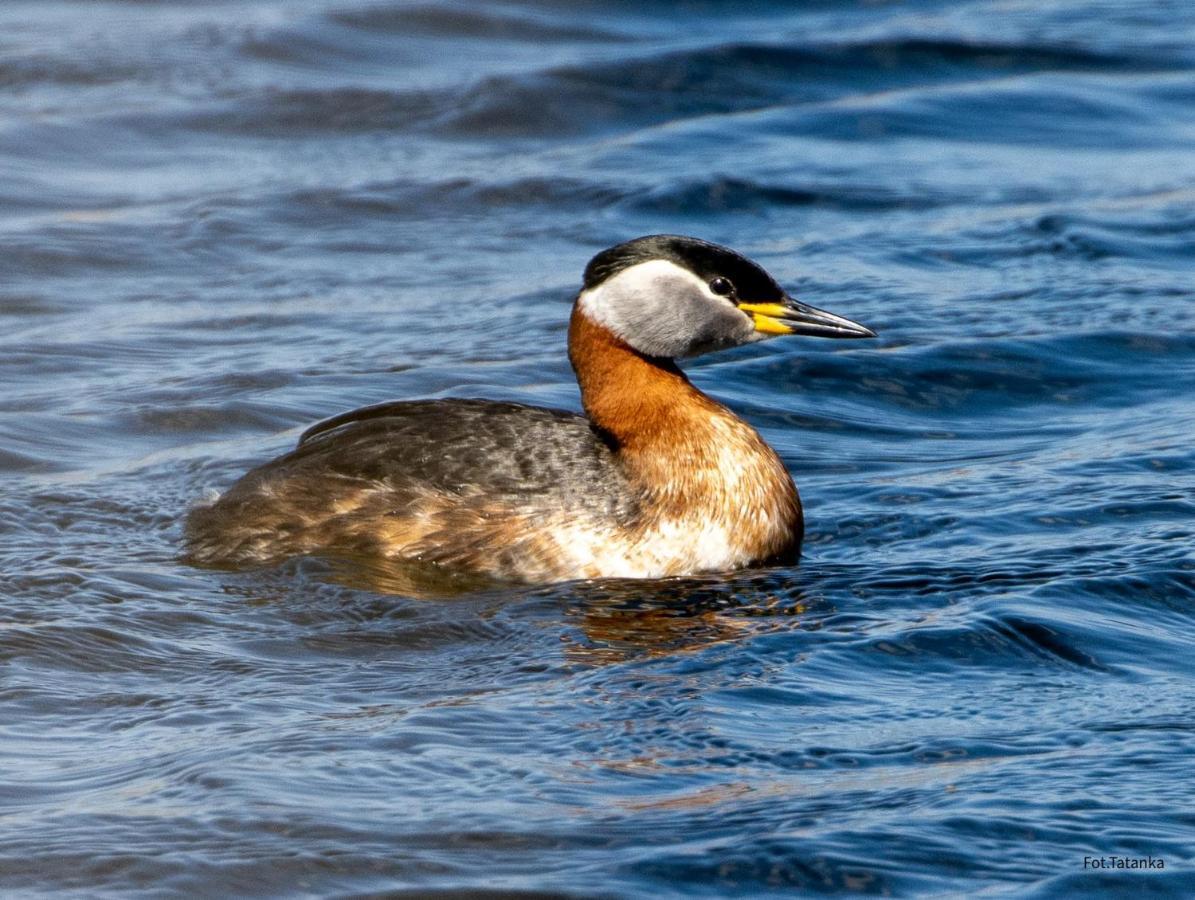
x: 767, y: 316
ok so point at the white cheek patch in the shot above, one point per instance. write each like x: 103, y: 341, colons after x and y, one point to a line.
x: 655, y: 306
x: 619, y: 302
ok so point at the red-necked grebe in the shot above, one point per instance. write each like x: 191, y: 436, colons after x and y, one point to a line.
x: 657, y: 479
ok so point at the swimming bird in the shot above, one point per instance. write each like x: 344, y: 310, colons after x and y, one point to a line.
x: 655, y: 479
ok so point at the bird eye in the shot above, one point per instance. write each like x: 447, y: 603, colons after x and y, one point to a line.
x: 722, y: 286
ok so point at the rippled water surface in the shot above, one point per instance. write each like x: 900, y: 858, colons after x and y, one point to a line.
x: 220, y: 222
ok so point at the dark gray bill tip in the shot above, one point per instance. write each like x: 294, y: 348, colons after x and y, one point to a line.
x: 805, y: 319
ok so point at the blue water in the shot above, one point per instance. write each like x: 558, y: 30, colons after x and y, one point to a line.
x: 220, y: 222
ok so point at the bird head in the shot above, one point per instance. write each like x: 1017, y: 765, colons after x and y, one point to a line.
x: 671, y: 296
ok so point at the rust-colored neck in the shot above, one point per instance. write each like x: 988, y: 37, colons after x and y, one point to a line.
x: 694, y: 459
x: 638, y: 400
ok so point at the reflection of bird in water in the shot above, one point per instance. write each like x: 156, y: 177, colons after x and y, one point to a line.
x: 658, y: 480
x: 590, y: 622
x: 616, y: 620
